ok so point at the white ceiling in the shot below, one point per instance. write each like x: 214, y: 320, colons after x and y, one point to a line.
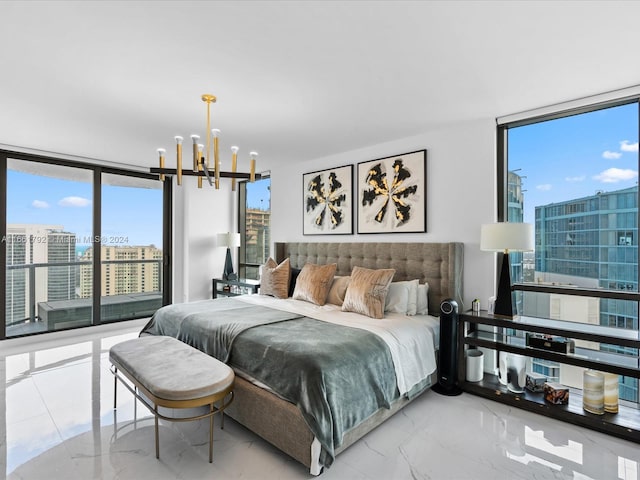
x: 294, y: 80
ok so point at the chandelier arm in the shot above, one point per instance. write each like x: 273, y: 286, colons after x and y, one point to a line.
x: 191, y: 173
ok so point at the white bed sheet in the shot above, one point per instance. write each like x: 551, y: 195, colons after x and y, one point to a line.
x: 411, y: 340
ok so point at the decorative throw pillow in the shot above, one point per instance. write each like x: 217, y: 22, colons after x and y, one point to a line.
x: 338, y: 290
x: 314, y: 282
x: 275, y: 278
x: 402, y: 297
x: 423, y: 299
x: 367, y: 291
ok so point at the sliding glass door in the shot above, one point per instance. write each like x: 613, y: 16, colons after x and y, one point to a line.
x: 131, y: 247
x: 81, y: 244
x: 49, y: 219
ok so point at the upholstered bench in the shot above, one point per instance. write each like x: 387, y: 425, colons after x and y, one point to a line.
x: 166, y: 372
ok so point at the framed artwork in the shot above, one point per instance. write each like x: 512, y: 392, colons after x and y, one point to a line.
x: 392, y: 194
x: 328, y: 201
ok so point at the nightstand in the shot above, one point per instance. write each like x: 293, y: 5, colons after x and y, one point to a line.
x: 233, y: 288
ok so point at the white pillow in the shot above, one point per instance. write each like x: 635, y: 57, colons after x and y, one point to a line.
x: 423, y: 299
x: 402, y: 297
x: 412, y: 304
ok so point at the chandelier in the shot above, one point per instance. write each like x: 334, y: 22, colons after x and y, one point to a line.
x: 202, y: 160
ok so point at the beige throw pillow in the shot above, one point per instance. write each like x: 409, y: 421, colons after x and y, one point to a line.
x: 314, y: 282
x: 367, y: 291
x: 338, y: 290
x: 275, y: 278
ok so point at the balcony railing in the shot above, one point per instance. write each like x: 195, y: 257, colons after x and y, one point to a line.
x: 113, y: 307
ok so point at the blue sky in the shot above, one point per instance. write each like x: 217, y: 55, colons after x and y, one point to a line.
x: 576, y: 156
x: 131, y: 216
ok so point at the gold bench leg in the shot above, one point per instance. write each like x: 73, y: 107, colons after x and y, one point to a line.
x: 211, y: 407
x: 157, y: 436
x: 115, y: 387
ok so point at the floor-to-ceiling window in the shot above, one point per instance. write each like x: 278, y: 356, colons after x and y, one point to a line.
x: 574, y: 176
x: 82, y: 244
x: 255, y: 226
x: 49, y: 218
x: 131, y: 247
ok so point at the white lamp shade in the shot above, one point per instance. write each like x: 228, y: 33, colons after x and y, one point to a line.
x: 228, y: 239
x: 505, y: 236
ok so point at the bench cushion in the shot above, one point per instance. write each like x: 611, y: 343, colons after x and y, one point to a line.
x: 171, y: 369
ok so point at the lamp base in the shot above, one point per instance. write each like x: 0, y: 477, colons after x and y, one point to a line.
x: 228, y: 267
x: 504, y: 299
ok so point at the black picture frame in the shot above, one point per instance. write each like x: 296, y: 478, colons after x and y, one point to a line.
x: 392, y: 194
x: 328, y: 201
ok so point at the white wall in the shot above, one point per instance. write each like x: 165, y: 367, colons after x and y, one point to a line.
x: 200, y: 214
x: 461, y: 193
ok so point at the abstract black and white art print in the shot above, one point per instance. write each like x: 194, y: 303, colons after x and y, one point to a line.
x: 328, y: 201
x: 392, y: 194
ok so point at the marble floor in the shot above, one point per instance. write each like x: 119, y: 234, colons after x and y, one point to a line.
x: 57, y: 422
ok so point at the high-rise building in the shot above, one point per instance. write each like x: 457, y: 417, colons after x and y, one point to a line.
x: 257, y: 235
x: 122, y: 270
x: 590, y: 242
x: 32, y: 276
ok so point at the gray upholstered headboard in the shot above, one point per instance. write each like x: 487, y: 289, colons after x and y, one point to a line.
x: 438, y: 264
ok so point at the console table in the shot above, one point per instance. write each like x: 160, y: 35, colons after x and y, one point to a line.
x: 233, y: 288
x: 508, y: 335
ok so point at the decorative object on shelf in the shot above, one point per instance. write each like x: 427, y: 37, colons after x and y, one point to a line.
x: 228, y: 240
x: 611, y: 392
x: 502, y: 367
x: 535, y: 382
x: 202, y: 165
x: 516, y: 372
x: 475, y: 365
x: 491, y: 304
x: 328, y: 201
x: 593, y: 392
x: 556, y: 393
x: 505, y: 237
x: 392, y: 194
x: 552, y: 343
x: 475, y: 305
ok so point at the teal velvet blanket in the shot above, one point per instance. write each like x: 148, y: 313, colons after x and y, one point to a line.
x: 337, y: 376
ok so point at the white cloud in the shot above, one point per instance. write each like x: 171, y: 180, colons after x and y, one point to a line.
x: 614, y: 175
x: 74, y: 202
x: 39, y: 204
x: 625, y: 146
x: 580, y: 178
x: 544, y: 187
x: 609, y: 155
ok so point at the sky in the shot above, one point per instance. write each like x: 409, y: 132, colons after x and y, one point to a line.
x: 575, y: 156
x: 130, y: 216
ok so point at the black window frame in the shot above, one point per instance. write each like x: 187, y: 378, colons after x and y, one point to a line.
x: 97, y: 170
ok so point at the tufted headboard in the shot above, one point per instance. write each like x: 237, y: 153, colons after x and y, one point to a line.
x: 438, y: 264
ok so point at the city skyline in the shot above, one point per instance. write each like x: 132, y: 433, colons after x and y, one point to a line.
x: 130, y: 215
x: 576, y: 156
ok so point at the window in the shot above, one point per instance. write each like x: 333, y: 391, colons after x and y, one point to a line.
x: 574, y: 176
x: 82, y: 244
x: 255, y: 226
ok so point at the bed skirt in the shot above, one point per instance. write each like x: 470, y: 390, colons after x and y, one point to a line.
x: 280, y: 422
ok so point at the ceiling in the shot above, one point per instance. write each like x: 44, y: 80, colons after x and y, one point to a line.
x: 295, y: 80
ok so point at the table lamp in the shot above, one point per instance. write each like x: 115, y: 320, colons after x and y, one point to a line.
x: 228, y: 240
x: 505, y: 237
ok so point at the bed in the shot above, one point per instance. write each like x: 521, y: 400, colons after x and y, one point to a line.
x: 281, y: 413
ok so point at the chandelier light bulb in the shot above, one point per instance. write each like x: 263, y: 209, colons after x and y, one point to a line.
x: 161, y: 151
x: 234, y: 149
x: 195, y: 138
x: 178, y: 139
x: 215, y: 132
